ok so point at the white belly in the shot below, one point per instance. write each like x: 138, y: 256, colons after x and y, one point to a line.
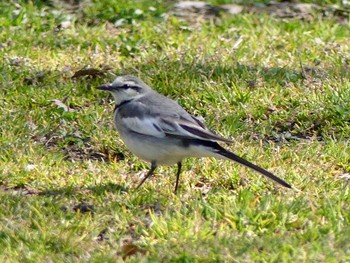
x: 162, y: 151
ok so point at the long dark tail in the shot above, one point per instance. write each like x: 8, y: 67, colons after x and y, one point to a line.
x: 244, y: 162
x: 215, y: 147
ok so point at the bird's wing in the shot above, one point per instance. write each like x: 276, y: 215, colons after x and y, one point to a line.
x: 152, y: 121
x: 146, y: 126
x: 188, y: 128
x: 136, y: 117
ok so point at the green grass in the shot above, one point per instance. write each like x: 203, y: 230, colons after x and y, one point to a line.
x: 67, y: 180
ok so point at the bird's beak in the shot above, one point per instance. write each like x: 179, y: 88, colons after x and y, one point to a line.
x: 105, y: 87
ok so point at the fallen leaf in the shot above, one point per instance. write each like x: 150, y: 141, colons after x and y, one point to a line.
x: 343, y: 176
x: 89, y: 72
x: 29, y: 167
x: 130, y: 249
x: 84, y: 208
x: 102, y: 236
x: 237, y: 43
x: 232, y: 8
x: 61, y: 105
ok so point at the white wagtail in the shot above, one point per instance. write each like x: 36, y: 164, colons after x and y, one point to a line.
x: 158, y: 130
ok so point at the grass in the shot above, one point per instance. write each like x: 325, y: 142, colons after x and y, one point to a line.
x: 67, y: 180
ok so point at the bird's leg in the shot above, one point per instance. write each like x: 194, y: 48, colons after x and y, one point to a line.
x: 150, y: 172
x: 179, y: 165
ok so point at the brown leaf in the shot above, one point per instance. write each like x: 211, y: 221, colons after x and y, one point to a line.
x: 130, y: 249
x: 89, y: 72
x: 84, y: 208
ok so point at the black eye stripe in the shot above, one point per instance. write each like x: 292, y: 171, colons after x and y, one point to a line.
x: 127, y: 86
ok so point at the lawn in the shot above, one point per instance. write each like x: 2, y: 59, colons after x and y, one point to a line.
x: 276, y: 83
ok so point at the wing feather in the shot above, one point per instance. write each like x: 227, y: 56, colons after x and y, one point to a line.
x: 147, y: 126
x: 188, y: 129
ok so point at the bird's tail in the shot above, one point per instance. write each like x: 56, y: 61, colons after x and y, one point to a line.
x: 229, y: 155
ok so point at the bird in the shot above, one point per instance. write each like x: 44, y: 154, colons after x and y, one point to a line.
x: 158, y: 130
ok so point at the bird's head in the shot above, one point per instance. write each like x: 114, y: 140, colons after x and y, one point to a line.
x: 125, y: 88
